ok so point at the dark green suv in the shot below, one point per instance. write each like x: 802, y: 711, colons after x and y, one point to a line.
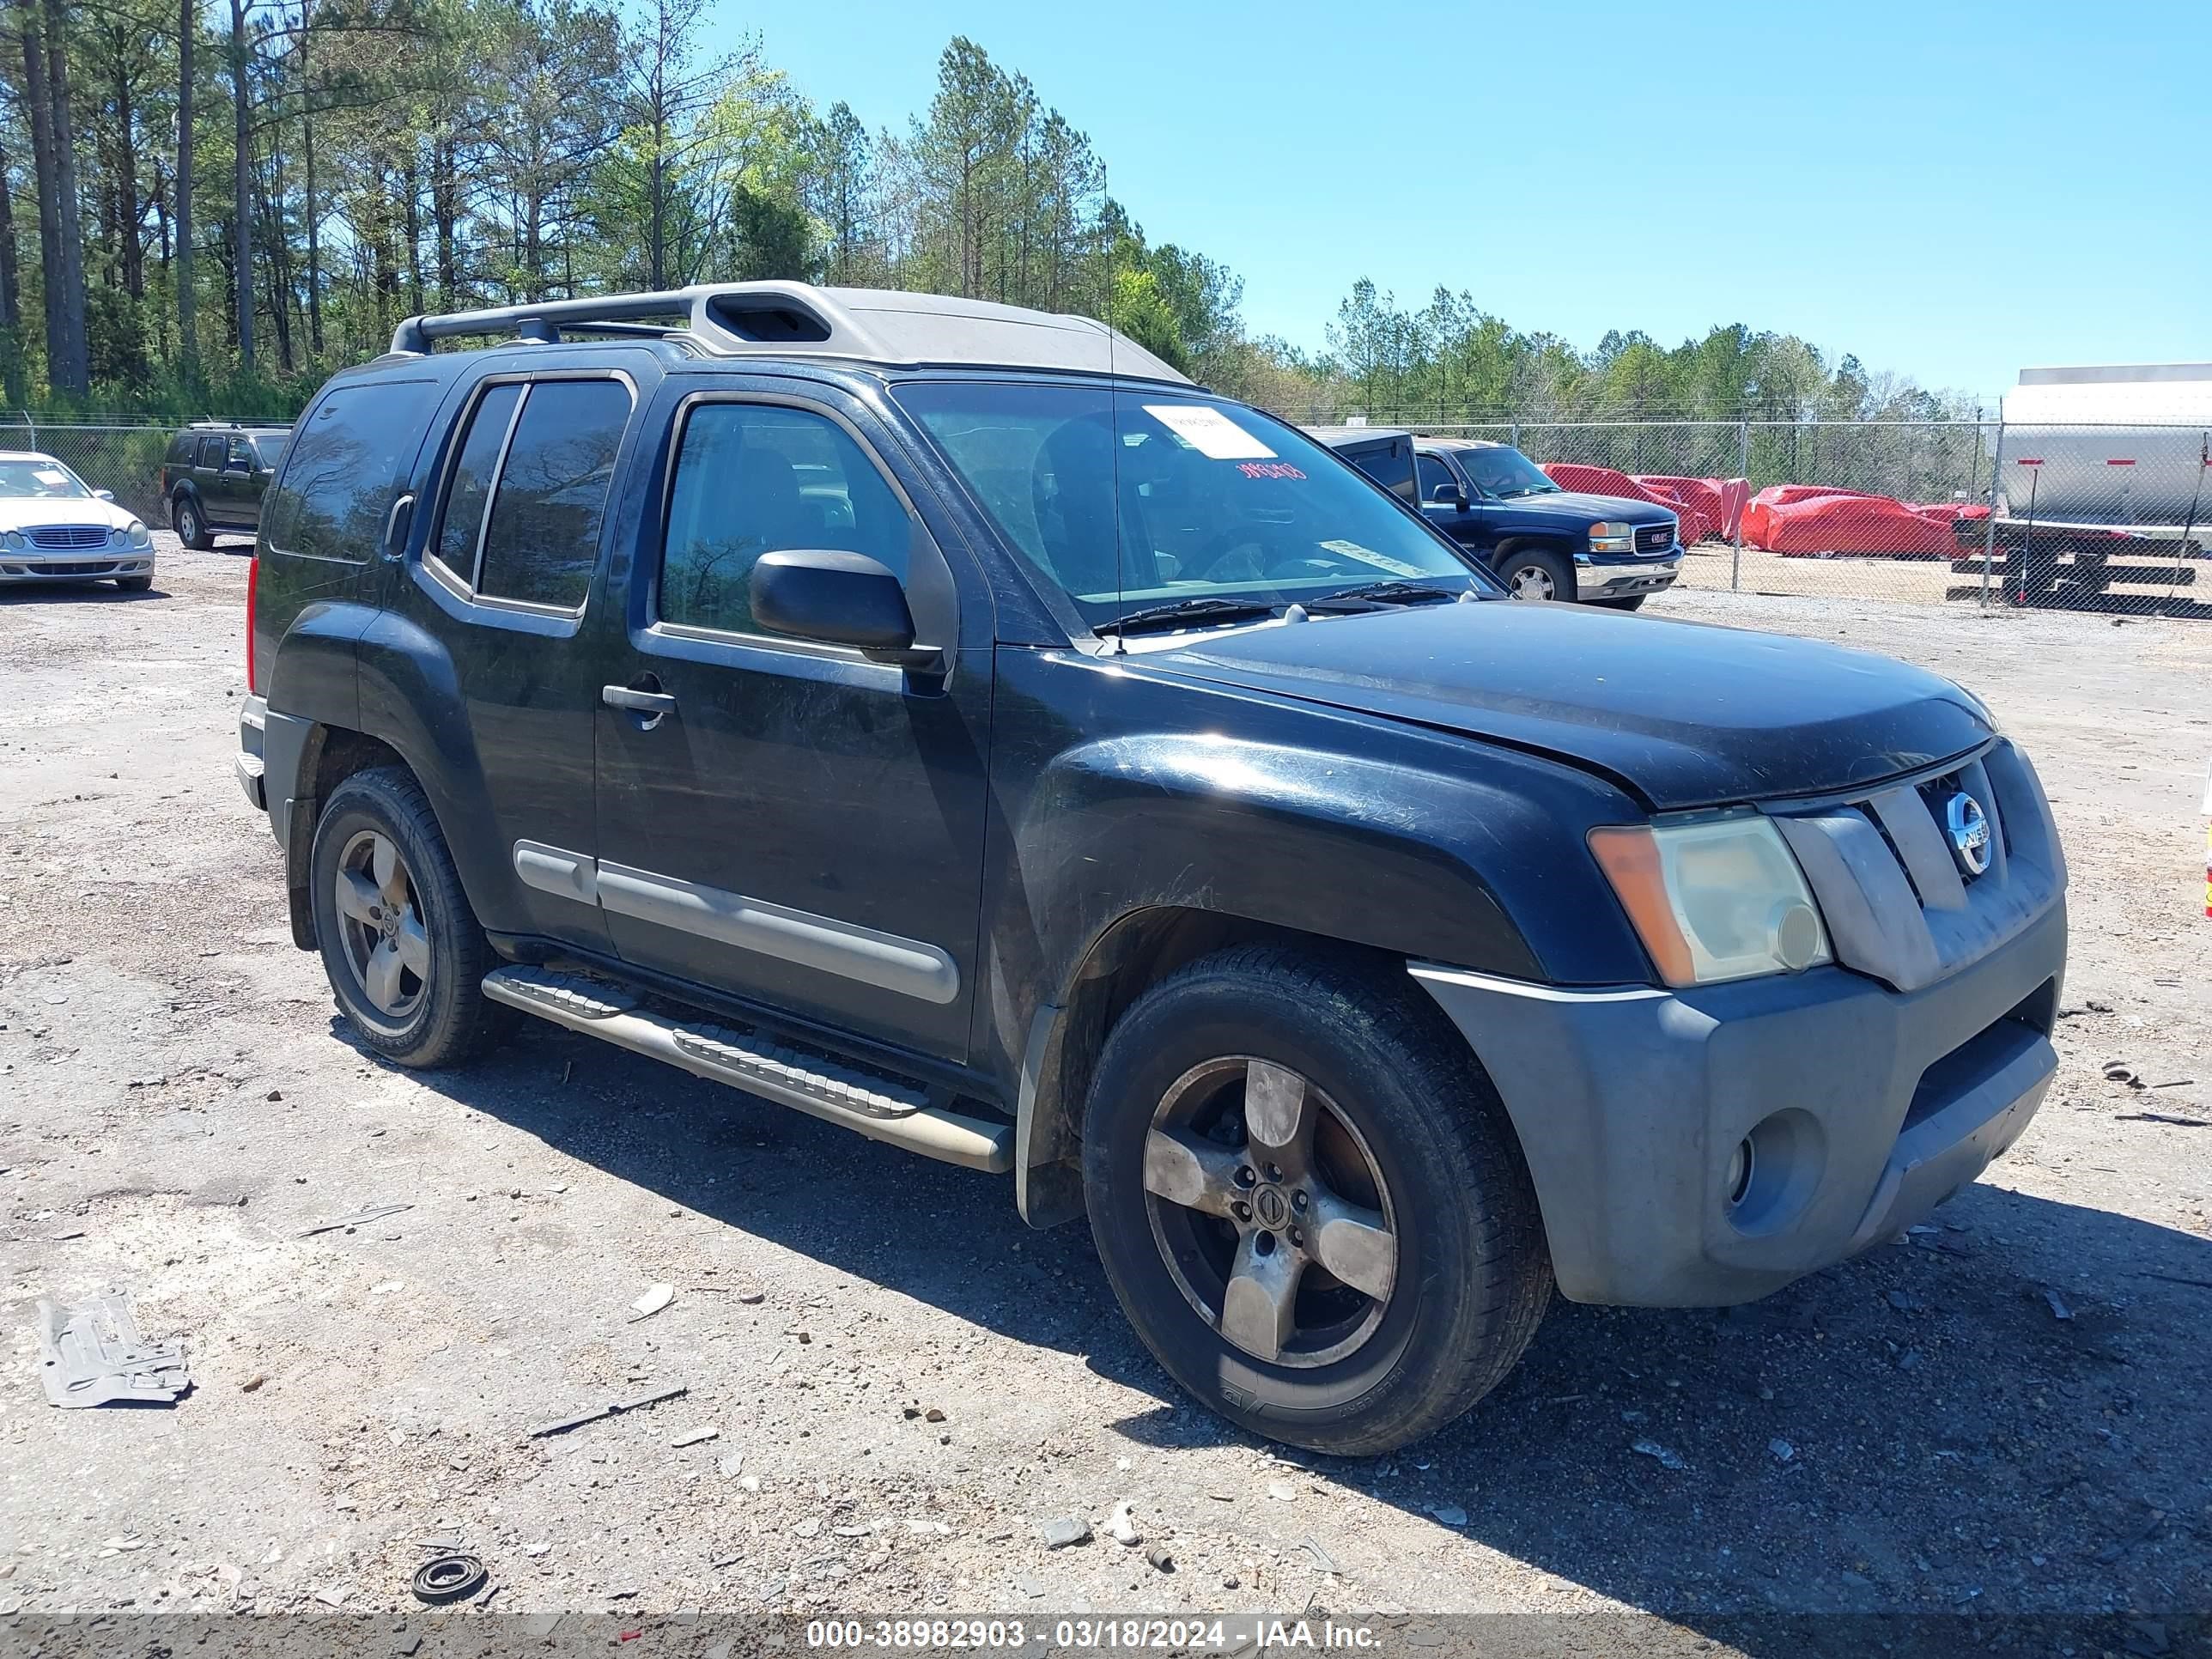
x: 213, y: 476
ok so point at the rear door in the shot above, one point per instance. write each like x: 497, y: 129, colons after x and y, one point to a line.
x: 797, y: 825
x: 514, y: 523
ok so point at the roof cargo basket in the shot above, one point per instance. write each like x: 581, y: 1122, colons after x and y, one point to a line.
x: 879, y: 325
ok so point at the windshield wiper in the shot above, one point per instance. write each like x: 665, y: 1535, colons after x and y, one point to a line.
x: 1186, y: 611
x: 1389, y: 592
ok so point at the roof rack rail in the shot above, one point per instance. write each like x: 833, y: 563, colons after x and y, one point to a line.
x: 799, y: 318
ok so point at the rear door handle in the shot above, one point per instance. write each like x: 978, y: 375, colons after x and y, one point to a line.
x: 638, y: 702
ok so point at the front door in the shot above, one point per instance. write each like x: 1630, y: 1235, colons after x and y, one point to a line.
x: 787, y: 822
x: 1451, y: 504
x: 242, y: 484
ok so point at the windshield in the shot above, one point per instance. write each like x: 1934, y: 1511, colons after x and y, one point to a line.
x: 42, y: 479
x: 271, y: 448
x: 1503, y: 471
x: 1213, y: 499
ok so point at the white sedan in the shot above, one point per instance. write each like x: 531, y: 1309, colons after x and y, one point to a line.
x: 54, y: 527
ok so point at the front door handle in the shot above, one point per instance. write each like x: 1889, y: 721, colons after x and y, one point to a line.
x: 652, y: 704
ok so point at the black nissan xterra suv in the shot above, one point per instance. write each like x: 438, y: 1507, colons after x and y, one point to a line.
x: 947, y: 720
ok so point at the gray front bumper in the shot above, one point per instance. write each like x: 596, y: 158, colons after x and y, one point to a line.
x: 1629, y: 1104
x: 90, y: 565
x: 1594, y: 580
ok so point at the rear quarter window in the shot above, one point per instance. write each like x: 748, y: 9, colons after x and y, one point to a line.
x: 347, y: 463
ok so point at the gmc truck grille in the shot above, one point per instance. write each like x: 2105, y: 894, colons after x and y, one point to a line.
x: 67, y: 535
x: 1920, y: 879
x: 1655, y: 538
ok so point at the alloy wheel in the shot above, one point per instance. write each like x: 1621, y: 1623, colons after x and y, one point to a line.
x: 1270, y: 1212
x: 380, y: 925
x: 1532, y: 581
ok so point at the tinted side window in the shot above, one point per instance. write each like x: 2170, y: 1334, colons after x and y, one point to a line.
x: 468, y: 489
x: 754, y: 478
x: 240, y: 456
x: 210, y: 451
x: 543, y: 541
x: 1437, y: 484
x: 1391, y: 465
x: 347, y: 463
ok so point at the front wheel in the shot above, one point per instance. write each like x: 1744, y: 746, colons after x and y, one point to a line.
x: 133, y: 584
x: 405, y: 956
x: 1536, y: 572
x: 1310, y: 1202
x: 1632, y: 602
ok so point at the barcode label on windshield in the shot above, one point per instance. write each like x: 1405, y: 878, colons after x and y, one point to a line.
x: 1209, y: 432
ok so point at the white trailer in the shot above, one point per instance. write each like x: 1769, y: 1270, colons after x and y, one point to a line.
x: 2104, y: 479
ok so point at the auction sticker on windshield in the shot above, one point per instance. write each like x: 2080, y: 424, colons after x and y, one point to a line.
x: 1380, y: 560
x: 1210, y: 432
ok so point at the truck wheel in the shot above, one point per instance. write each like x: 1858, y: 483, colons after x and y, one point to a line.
x: 1310, y: 1202
x: 1632, y: 602
x: 403, y: 950
x: 191, y: 529
x: 1536, y: 572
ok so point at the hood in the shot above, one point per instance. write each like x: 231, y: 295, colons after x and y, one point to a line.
x: 1684, y: 714
x: 1574, y: 506
x: 21, y: 512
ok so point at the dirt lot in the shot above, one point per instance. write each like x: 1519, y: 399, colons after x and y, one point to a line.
x: 2006, y: 1413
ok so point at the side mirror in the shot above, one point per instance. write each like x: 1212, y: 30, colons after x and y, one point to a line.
x: 103, y: 495
x: 1449, y: 495
x: 838, y: 598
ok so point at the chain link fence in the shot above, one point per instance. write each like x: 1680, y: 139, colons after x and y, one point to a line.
x: 2093, y: 518
x: 124, y: 457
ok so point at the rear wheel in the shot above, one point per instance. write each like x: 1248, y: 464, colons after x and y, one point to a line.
x: 1536, y: 572
x: 405, y: 956
x: 1309, y: 1201
x: 190, y: 524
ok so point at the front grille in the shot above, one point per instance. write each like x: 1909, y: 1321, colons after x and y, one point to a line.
x: 1654, y: 538
x: 1901, y: 903
x: 67, y: 535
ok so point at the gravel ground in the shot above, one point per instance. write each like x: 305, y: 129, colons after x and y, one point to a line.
x: 2005, y: 1412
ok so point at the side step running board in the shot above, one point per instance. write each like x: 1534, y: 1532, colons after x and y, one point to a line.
x: 878, y: 1105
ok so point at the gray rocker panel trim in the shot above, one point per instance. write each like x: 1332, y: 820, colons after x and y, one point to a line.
x: 908, y: 967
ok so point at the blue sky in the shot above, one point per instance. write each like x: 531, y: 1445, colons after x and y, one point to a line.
x: 1953, y: 191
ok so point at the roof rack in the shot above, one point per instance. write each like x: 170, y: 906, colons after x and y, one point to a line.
x: 883, y: 325
x: 271, y: 425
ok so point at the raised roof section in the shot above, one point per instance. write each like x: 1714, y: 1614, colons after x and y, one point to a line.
x: 877, y: 326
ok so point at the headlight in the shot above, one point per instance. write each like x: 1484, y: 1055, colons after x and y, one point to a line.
x: 139, y: 535
x: 1715, y: 898
x: 13, y: 541
x: 1612, y: 538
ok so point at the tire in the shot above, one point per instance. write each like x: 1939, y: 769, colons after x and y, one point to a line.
x: 427, y: 1007
x: 1407, y: 1130
x: 1631, y: 602
x: 134, y: 584
x: 190, y: 523
x: 1536, y: 572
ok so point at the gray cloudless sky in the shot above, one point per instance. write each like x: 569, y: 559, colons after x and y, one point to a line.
x: 1951, y: 190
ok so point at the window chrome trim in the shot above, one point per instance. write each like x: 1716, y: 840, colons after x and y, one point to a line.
x: 681, y: 424
x: 470, y: 590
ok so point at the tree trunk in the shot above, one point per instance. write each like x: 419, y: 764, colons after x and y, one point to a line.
x: 444, y: 215
x: 411, y: 176
x: 61, y: 243
x: 242, y: 211
x: 188, y: 331
x: 11, y: 299
x: 308, y: 165
x: 129, y: 209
